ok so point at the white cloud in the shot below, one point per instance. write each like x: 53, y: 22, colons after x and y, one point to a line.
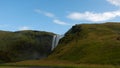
x: 48, y: 14
x: 24, y: 28
x: 38, y: 11
x: 4, y: 25
x: 94, y: 17
x: 60, y: 22
x: 114, y: 2
x: 51, y: 15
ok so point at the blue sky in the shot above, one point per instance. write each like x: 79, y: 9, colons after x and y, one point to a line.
x: 55, y: 15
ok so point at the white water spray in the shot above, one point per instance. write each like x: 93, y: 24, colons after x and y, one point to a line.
x: 55, y: 41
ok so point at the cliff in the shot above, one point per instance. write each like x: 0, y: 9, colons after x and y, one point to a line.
x: 90, y: 43
x: 24, y: 45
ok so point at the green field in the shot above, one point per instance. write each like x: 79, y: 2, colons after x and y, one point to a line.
x: 79, y: 66
x: 56, y: 64
x: 10, y: 67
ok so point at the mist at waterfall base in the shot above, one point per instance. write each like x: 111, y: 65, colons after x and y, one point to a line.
x: 55, y: 41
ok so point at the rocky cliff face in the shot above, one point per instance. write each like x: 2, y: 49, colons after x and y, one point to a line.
x: 24, y: 45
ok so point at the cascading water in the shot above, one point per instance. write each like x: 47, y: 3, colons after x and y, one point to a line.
x: 55, y: 41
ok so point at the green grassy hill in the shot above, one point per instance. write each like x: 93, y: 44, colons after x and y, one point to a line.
x: 90, y: 44
x: 24, y: 45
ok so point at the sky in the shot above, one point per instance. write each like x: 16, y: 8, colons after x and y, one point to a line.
x: 56, y: 16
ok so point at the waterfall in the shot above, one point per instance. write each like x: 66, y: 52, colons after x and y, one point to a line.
x: 55, y: 41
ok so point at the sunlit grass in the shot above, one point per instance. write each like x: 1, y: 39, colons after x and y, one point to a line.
x: 55, y: 64
x: 11, y: 67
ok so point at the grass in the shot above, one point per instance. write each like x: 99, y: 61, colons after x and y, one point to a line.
x: 90, y: 44
x: 10, y: 67
x: 84, y: 46
x: 81, y: 66
x: 24, y: 45
x: 55, y: 64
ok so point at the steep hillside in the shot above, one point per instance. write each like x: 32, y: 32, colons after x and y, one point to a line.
x: 90, y: 43
x: 24, y: 45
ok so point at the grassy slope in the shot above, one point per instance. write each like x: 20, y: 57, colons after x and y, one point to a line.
x: 24, y: 45
x: 90, y: 43
x: 84, y: 46
x: 56, y: 64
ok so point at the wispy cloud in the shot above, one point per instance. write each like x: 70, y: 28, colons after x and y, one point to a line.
x: 51, y: 15
x: 4, y: 25
x: 24, y: 28
x: 48, y: 14
x: 60, y: 22
x: 94, y: 17
x: 115, y: 2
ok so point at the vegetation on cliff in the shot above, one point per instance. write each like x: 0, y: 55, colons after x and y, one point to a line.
x: 90, y: 43
x: 24, y: 45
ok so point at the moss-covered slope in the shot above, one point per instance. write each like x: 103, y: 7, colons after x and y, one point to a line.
x: 24, y: 45
x: 90, y: 43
